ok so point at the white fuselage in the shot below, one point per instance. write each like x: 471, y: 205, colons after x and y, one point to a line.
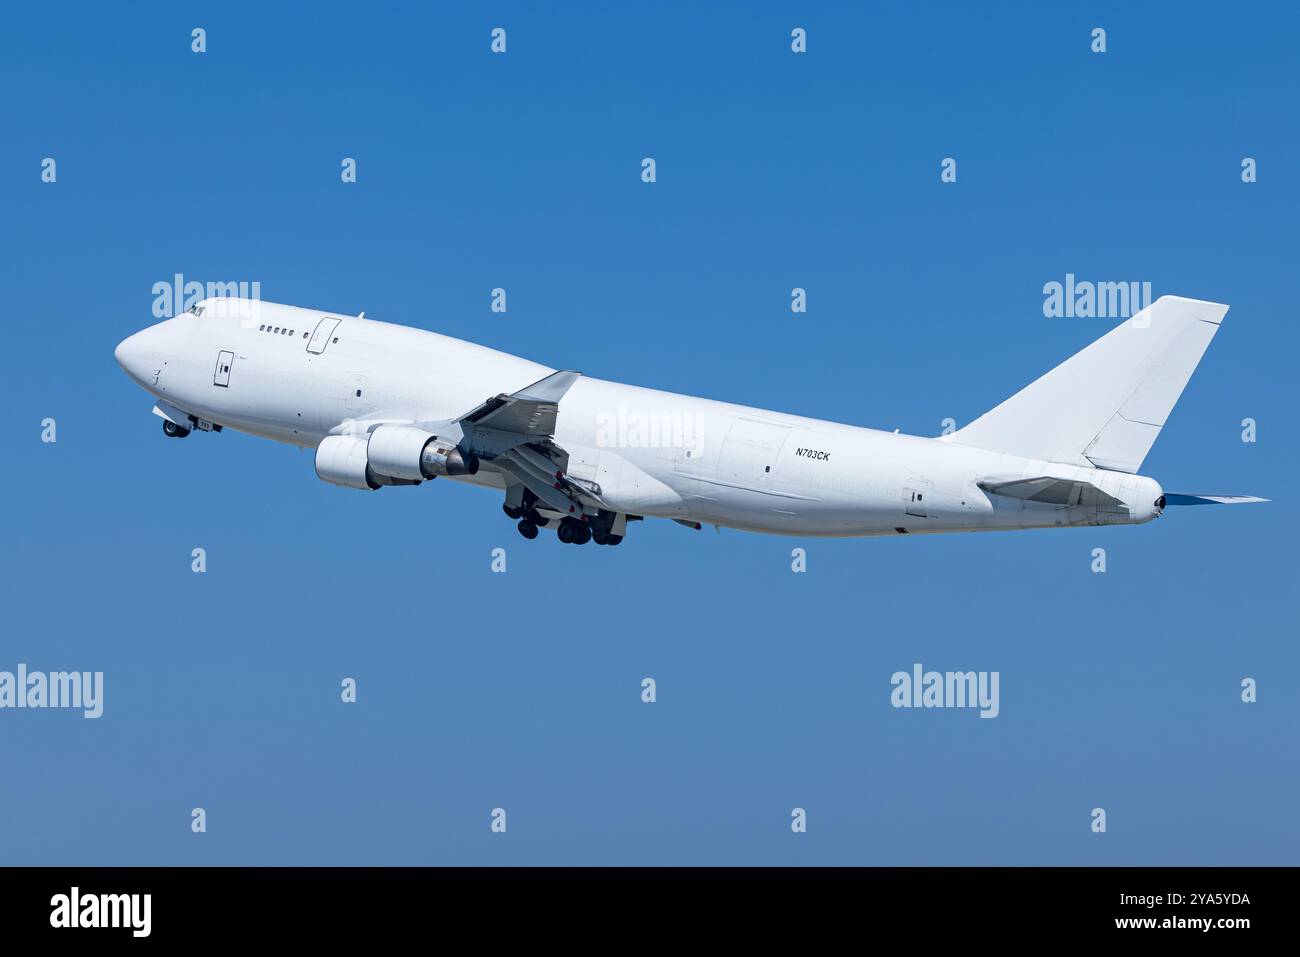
x: 652, y: 453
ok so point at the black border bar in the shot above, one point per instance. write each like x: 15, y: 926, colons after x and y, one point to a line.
x: 206, y: 905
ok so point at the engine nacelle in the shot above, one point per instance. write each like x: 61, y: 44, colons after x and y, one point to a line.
x: 341, y: 460
x: 390, y: 455
x: 412, y: 454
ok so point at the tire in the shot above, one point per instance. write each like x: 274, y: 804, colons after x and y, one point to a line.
x: 583, y: 535
x: 566, y: 532
x: 614, y: 539
x: 173, y: 431
x: 600, y: 538
x: 527, y: 529
x: 512, y: 511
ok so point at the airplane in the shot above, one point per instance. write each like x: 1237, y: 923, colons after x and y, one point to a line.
x: 386, y: 405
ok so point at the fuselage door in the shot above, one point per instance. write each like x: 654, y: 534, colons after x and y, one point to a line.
x: 321, y: 337
x: 749, y: 453
x: 221, y: 376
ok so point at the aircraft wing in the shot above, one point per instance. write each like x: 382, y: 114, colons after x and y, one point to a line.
x: 515, y: 434
x: 531, y: 411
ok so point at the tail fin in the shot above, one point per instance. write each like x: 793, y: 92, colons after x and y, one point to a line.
x: 1104, y: 406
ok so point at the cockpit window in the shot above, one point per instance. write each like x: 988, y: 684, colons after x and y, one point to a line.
x: 196, y: 309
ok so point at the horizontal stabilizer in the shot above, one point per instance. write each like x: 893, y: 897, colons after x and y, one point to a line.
x: 1174, y: 498
x: 1050, y: 491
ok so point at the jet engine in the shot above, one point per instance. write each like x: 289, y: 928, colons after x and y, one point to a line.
x: 390, y: 455
x: 407, y: 452
x: 341, y: 460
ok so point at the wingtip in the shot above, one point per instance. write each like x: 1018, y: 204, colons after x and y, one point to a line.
x: 550, y: 388
x: 1203, y: 309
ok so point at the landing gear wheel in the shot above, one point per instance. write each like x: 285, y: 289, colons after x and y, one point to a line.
x: 527, y: 529
x: 513, y: 511
x: 574, y: 532
x: 174, y: 431
x: 600, y: 538
x: 613, y: 539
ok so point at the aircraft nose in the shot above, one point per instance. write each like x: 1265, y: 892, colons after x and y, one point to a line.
x: 128, y: 353
x: 137, y: 357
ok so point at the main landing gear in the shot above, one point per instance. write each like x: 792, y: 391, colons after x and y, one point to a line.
x: 570, y: 530
x: 174, y: 431
x: 529, y: 519
x: 573, y: 532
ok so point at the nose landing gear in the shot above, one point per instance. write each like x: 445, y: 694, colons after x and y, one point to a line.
x: 174, y: 431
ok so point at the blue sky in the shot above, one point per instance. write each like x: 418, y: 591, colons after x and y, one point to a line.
x: 522, y: 690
